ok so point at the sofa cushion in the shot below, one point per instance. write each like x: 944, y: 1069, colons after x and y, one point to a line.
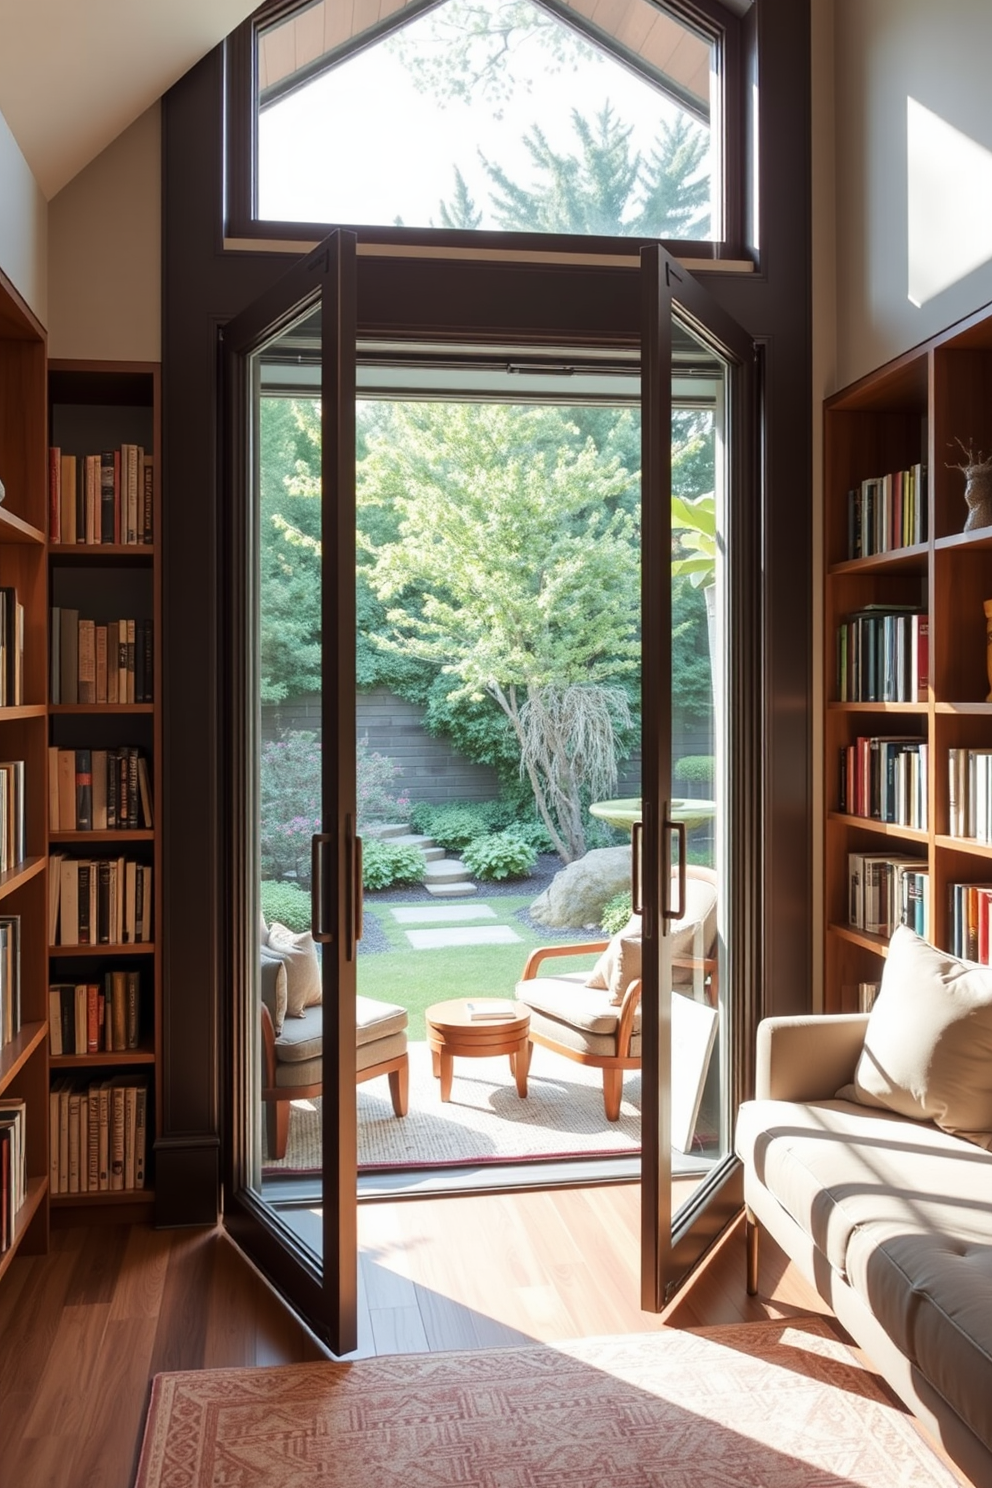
x: 302, y: 1038
x: 928, y: 1046
x: 930, y: 1292
x: 377, y: 1020
x: 571, y: 1000
x: 835, y: 1167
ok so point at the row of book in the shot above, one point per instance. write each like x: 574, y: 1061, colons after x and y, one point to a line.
x: 887, y: 511
x: 12, y: 817
x: 969, y: 921
x: 13, y: 1165
x: 98, y: 901
x: 95, y: 1017
x: 883, y: 655
x: 97, y: 662
x: 969, y: 793
x: 886, y: 890
x: 11, y: 648
x: 884, y: 777
x: 10, y: 977
x: 98, y: 790
x: 100, y: 499
x: 98, y: 1135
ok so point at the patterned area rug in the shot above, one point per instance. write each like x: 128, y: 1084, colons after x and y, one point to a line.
x: 485, y: 1120
x: 767, y: 1405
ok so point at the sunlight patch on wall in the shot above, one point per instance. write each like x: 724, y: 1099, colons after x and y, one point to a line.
x: 949, y: 206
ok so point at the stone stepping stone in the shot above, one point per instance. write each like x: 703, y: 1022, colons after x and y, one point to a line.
x: 445, y: 871
x: 462, y: 935
x: 387, y: 830
x: 451, y: 891
x: 426, y: 914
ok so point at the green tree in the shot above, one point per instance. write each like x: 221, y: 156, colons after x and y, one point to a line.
x: 511, y: 574
x: 289, y: 516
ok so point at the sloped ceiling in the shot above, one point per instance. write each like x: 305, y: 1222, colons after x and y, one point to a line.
x: 75, y: 73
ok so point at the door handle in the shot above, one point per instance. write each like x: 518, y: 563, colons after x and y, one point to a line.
x: 668, y: 827
x: 636, y: 876
x: 321, y: 917
x: 359, y: 892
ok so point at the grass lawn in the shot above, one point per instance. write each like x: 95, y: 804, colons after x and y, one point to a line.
x: 417, y: 978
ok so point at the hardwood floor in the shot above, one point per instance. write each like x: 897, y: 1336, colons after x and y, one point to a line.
x: 85, y: 1328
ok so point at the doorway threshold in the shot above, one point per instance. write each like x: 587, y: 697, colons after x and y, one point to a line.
x: 483, y: 1178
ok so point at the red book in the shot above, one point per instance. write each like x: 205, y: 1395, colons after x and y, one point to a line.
x: 92, y: 1018
x: 922, y: 657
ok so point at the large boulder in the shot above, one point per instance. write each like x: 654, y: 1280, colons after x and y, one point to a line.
x: 575, y: 897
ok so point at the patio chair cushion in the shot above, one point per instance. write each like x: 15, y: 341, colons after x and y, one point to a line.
x: 378, y: 1020
x: 273, y: 989
x: 301, y: 1039
x: 298, y: 952
x: 579, y: 1016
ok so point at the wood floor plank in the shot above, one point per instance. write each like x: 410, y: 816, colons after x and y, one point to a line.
x: 490, y: 1271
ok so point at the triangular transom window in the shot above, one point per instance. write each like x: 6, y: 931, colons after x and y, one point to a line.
x: 589, y: 117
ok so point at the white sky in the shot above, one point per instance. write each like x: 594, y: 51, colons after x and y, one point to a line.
x: 362, y: 145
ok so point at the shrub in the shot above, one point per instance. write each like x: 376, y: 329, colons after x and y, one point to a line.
x: 287, y: 903
x: 499, y: 855
x: 455, y: 826
x: 376, y: 775
x: 289, y: 802
x: 696, y: 769
x: 290, y: 799
x: 616, y: 912
x: 388, y: 863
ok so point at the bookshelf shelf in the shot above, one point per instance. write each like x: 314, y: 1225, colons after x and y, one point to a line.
x: 15, y: 1055
x: 132, y: 948
x: 34, y: 1203
x: 13, y: 529
x: 107, y: 1199
x: 12, y: 879
x: 900, y: 418
x: 97, y: 1061
x: 104, y: 421
x: 125, y: 835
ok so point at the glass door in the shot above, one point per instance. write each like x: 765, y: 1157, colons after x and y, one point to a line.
x: 701, y: 839
x: 319, y: 568
x: 295, y: 960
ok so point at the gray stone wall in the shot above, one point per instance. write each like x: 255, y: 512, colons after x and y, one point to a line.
x: 432, y: 770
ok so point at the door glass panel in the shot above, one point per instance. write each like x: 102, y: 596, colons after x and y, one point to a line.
x: 285, y: 1075
x: 514, y: 117
x: 529, y: 470
x: 700, y: 565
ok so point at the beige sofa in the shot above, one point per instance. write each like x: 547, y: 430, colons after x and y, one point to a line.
x: 889, y: 1217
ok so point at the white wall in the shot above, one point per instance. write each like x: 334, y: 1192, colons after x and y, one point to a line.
x: 105, y: 274
x: 23, y: 226
x: 899, y: 227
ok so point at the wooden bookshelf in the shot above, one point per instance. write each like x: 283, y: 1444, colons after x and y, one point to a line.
x: 23, y: 722
x: 96, y: 407
x: 910, y: 411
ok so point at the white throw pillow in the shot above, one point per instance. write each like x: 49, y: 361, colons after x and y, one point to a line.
x: 927, y: 1052
x: 299, y: 955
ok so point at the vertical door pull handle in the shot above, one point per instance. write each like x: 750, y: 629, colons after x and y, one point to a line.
x: 321, y: 917
x: 678, y: 828
x: 636, y: 849
x: 359, y: 891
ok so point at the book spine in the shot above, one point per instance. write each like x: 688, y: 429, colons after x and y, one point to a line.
x: 84, y: 790
x: 116, y: 1137
x: 108, y: 486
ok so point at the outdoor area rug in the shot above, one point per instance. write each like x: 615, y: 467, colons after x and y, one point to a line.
x: 764, y: 1405
x: 485, y: 1120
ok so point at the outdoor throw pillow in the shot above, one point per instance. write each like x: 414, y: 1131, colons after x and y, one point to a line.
x: 620, y: 963
x: 928, y: 1043
x: 299, y: 955
x: 274, y: 989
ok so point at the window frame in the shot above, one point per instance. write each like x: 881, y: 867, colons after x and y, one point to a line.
x: 241, y: 156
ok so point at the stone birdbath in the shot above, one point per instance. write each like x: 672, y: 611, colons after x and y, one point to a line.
x: 625, y: 811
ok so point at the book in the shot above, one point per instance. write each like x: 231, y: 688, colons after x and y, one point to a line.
x: 84, y: 791
x: 86, y: 667
x: 491, y: 1008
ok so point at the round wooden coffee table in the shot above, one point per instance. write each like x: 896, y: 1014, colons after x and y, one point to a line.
x: 451, y: 1030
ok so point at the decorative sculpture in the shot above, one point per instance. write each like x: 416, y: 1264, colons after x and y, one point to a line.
x: 978, y: 487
